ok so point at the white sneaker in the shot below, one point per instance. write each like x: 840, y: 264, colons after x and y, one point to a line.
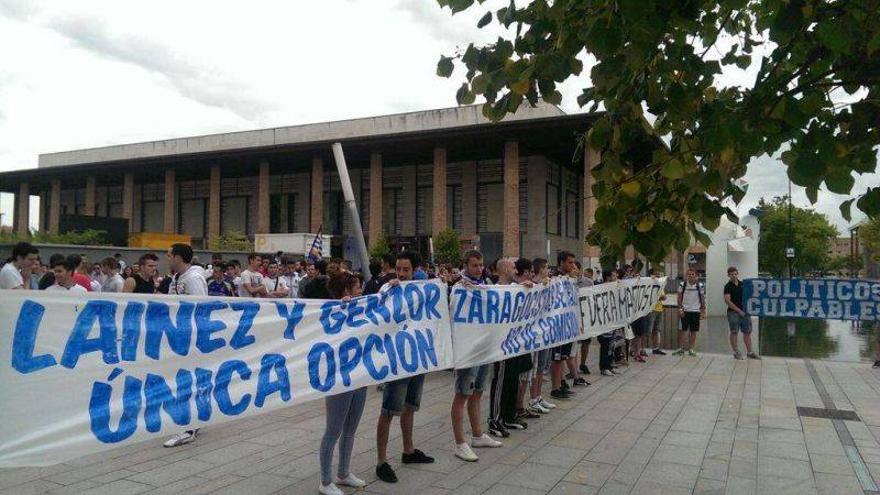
x: 485, y: 441
x: 536, y: 405
x: 351, y: 480
x: 330, y: 489
x: 181, y: 438
x: 545, y: 404
x: 463, y: 451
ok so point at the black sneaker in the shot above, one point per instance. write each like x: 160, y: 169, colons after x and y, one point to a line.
x: 516, y: 424
x: 658, y: 352
x: 417, y: 457
x: 584, y: 369
x: 498, y: 430
x: 580, y: 382
x: 527, y: 414
x: 876, y: 364
x: 560, y: 394
x: 385, y: 473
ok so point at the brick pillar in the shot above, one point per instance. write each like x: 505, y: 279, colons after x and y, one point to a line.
x: 591, y: 159
x: 170, y: 201
x: 375, y: 228
x: 22, y: 209
x: 317, y: 207
x: 55, y: 206
x: 263, y: 199
x: 214, y: 203
x: 438, y: 202
x: 89, y: 207
x: 511, y: 199
x: 128, y: 199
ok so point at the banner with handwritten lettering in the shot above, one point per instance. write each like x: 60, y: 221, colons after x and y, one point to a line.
x: 80, y: 374
x: 492, y: 323
x: 613, y: 305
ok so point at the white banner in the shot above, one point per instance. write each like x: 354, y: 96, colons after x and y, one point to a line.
x: 82, y: 374
x: 613, y: 305
x: 492, y: 323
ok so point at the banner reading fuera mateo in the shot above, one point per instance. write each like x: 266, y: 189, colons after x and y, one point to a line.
x: 606, y: 307
x: 821, y: 298
x: 496, y: 322
x: 82, y: 374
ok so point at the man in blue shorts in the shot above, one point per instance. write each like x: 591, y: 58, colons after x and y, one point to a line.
x: 737, y: 319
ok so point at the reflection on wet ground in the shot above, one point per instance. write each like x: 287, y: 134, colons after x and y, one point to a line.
x: 814, y: 339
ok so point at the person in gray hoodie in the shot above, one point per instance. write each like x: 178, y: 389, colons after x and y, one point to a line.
x: 188, y: 280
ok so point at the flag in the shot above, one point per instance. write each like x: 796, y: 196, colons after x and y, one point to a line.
x: 316, y: 251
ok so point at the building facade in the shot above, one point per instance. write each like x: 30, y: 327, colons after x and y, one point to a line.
x: 515, y: 188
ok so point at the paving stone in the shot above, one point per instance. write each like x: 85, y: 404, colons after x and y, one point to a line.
x: 784, y: 468
x: 503, y: 489
x: 564, y: 488
x: 679, y: 455
x: 772, y: 485
x: 258, y: 485
x: 120, y: 487
x: 648, y: 487
x: 170, y: 473
x: 835, y: 484
x: 741, y: 486
x: 710, y: 487
x: 536, y: 476
x: 714, y: 469
x: 783, y: 450
x: 30, y: 488
x: 590, y: 473
x: 552, y: 455
x: 667, y: 473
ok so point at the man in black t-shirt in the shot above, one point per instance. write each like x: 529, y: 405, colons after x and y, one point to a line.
x: 737, y: 319
x: 386, y: 274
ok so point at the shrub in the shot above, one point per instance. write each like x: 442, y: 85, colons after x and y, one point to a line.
x: 447, y: 247
x: 231, y: 241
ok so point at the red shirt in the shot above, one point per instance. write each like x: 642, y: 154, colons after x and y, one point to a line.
x: 83, y: 280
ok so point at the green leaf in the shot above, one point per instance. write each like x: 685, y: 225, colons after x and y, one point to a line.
x: 631, y: 188
x: 812, y: 194
x: 873, y: 44
x: 460, y: 5
x: 445, y: 66
x: 845, y: 209
x: 839, y: 181
x: 465, y: 96
x: 553, y: 97
x: 832, y: 35
x: 479, y: 84
x: 486, y: 19
x: 743, y: 61
x: 673, y: 169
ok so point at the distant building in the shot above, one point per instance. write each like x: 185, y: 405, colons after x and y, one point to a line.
x: 843, y: 248
x: 507, y: 187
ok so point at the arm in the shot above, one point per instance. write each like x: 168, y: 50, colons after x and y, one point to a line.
x: 128, y: 285
x: 731, y: 305
x: 680, y: 300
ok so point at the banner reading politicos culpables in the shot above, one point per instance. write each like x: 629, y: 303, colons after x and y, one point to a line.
x: 821, y: 298
x: 609, y: 306
x: 495, y: 322
x: 81, y: 374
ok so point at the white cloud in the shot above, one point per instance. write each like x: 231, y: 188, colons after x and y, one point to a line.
x: 83, y: 74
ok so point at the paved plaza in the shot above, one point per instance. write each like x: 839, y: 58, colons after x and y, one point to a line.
x: 706, y: 424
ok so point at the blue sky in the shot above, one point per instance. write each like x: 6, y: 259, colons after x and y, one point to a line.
x: 84, y: 74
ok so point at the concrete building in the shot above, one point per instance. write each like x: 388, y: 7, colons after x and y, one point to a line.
x: 506, y: 187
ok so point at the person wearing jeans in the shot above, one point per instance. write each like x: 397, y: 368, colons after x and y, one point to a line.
x: 343, y: 410
x: 737, y: 319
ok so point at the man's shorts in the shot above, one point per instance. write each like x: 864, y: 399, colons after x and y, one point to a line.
x: 640, y: 326
x: 739, y: 323
x: 656, y: 321
x: 470, y: 380
x: 562, y: 352
x: 690, y: 322
x: 542, y: 360
x: 406, y: 392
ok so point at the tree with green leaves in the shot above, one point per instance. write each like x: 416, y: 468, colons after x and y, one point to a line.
x: 869, y: 237
x: 814, y: 101
x: 380, y: 248
x: 447, y: 247
x: 810, y: 234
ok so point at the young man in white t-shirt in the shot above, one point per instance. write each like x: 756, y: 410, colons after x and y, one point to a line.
x: 63, y: 271
x: 691, y: 309
x: 275, y: 284
x: 24, y: 256
x: 113, y: 281
x: 252, y: 279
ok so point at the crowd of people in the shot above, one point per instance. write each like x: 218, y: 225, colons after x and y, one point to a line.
x: 516, y: 385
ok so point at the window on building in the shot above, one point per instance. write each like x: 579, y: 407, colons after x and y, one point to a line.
x: 193, y: 217
x: 391, y: 214
x: 282, y: 213
x: 453, y: 207
x: 333, y: 203
x: 235, y: 214
x: 80, y: 201
x: 490, y: 207
x: 554, y: 208
x: 424, y: 210
x: 572, y: 214
x: 152, y: 208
